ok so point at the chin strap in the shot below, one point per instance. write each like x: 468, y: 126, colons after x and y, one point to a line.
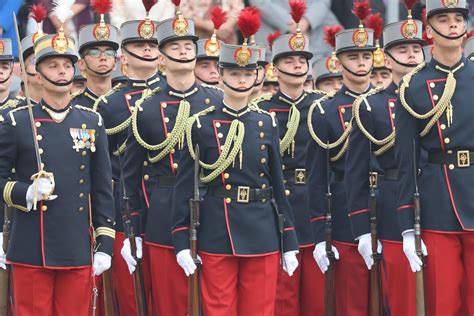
x: 59, y: 84
x: 399, y: 62
x: 452, y: 38
x: 211, y: 83
x: 103, y: 73
x: 356, y: 74
x: 181, y: 61
x: 295, y: 75
x: 139, y: 57
x: 238, y: 90
x: 3, y: 81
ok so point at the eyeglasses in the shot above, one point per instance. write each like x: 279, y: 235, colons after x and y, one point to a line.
x: 95, y: 52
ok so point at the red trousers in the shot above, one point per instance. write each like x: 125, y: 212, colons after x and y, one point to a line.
x: 398, y: 280
x: 239, y: 286
x: 303, y: 293
x: 351, y: 278
x: 46, y: 292
x: 449, y: 274
x: 169, y: 283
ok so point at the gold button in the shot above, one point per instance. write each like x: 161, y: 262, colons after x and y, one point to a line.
x: 84, y: 126
x: 346, y: 124
x: 450, y: 151
x: 207, y: 101
x: 84, y: 153
x: 432, y: 84
x: 39, y: 137
x: 227, y: 200
x: 218, y: 124
x: 264, y: 186
x: 175, y: 165
x: 443, y: 126
x: 82, y: 167
x: 220, y: 135
x: 44, y: 208
x: 226, y: 175
x: 262, y: 175
x: 263, y: 147
x: 343, y: 110
x: 447, y: 140
x: 283, y: 167
x: 391, y: 104
x: 284, y: 181
x: 435, y: 97
x: 38, y: 124
x: 262, y: 134
x: 260, y: 123
x: 40, y: 151
x: 451, y: 166
x: 263, y: 160
x: 145, y: 163
x: 128, y: 96
x: 228, y: 187
x: 81, y: 181
x: 287, y: 192
x: 172, y: 150
x: 393, y: 115
x: 81, y: 195
x: 164, y: 105
x: 81, y: 209
x: 146, y: 177
x: 167, y: 120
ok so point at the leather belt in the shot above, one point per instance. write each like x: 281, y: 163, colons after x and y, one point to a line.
x: 241, y: 194
x: 296, y: 176
x: 459, y: 158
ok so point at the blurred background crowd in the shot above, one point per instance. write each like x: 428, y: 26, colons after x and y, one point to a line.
x: 275, y: 17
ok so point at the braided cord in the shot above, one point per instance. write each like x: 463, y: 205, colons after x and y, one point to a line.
x: 292, y: 128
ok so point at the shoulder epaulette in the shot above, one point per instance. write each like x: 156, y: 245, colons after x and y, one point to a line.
x: 103, y: 97
x: 205, y: 85
x: 12, y: 103
x: 80, y: 107
x: 261, y: 98
x: 16, y: 110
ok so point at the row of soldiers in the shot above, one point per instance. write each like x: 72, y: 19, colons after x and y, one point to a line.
x: 81, y: 172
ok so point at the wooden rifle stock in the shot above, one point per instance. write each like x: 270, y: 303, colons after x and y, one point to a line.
x: 375, y: 292
x: 5, y: 274
x: 108, y: 293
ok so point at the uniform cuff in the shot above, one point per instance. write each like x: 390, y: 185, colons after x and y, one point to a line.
x: 180, y: 238
x: 105, y: 238
x: 360, y: 222
x: 290, y: 241
x: 406, y: 217
x: 14, y: 195
x: 318, y: 225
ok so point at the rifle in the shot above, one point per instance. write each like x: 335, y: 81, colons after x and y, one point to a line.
x: 137, y: 275
x: 5, y: 274
x: 108, y: 293
x: 375, y: 293
x: 329, y: 297
x: 420, y: 287
x: 194, y: 302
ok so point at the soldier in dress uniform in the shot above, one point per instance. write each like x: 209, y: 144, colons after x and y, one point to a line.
x: 98, y: 45
x: 469, y: 48
x: 428, y: 52
x: 59, y: 239
x: 270, y: 83
x: 330, y: 126
x: 239, y: 238
x: 327, y: 77
x: 308, y: 85
x: 78, y: 82
x: 373, y: 129
x: 381, y: 75
x: 6, y: 71
x: 262, y: 62
x: 435, y: 115
x: 139, y: 45
x: 152, y: 155
x: 119, y: 74
x: 300, y: 294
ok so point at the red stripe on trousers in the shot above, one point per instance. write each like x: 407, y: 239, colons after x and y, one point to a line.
x: 449, y: 273
x: 169, y: 283
x: 234, y: 286
x: 46, y: 292
x: 303, y: 293
x: 398, y: 280
x: 351, y: 282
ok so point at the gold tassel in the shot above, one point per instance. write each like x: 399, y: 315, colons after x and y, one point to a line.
x: 293, y: 145
x: 449, y: 114
x: 241, y: 157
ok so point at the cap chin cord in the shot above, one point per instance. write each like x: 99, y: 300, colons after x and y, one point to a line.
x: 399, y: 62
x: 139, y: 57
x: 295, y: 75
x: 356, y: 74
x: 6, y: 79
x: 99, y: 73
x: 452, y: 38
x: 59, y: 84
x: 211, y: 83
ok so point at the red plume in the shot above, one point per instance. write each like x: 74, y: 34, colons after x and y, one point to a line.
x: 375, y: 22
x: 101, y: 6
x: 148, y: 4
x: 428, y: 41
x: 218, y: 16
x: 297, y: 9
x: 410, y: 3
x: 424, y: 17
x: 361, y: 9
x: 470, y: 34
x: 249, y: 21
x: 176, y: 2
x: 330, y: 34
x: 272, y: 37
x: 38, y: 12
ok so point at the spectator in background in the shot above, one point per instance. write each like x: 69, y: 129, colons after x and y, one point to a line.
x: 129, y: 10
x: 342, y: 9
x: 82, y: 16
x: 7, y: 27
x: 199, y: 11
x: 276, y: 17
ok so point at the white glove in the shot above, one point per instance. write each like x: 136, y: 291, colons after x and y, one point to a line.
x: 127, y: 255
x: 3, y: 256
x: 44, y: 186
x: 321, y: 257
x: 365, y: 249
x: 102, y: 262
x: 185, y: 261
x: 410, y: 250
x: 290, y: 262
